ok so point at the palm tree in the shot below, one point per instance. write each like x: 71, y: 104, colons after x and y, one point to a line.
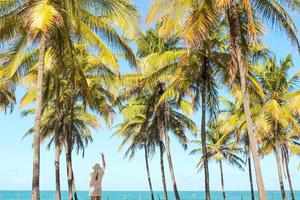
x: 92, y: 82
x: 234, y: 121
x: 167, y: 119
x: 202, y: 15
x: 221, y: 147
x: 95, y: 82
x: 235, y: 117
x: 150, y: 129
x: 161, y: 120
x: 83, y: 123
x: 279, y: 110
x: 35, y: 20
x: 86, y: 23
x: 76, y: 21
x: 134, y: 131
x: 195, y: 71
x: 275, y: 14
x: 149, y: 44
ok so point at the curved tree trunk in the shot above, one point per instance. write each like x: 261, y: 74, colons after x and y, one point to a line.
x: 232, y: 15
x: 69, y: 170
x: 222, y: 180
x: 289, y: 176
x: 167, y: 139
x: 162, y: 168
x: 148, y: 173
x: 35, y: 195
x: 57, y: 171
x: 203, y: 131
x: 250, y: 178
x: 252, y: 137
x: 279, y: 171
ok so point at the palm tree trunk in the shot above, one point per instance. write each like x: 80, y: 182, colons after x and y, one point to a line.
x: 74, y: 186
x: 58, y: 147
x: 161, y: 128
x: 279, y: 170
x: 69, y: 170
x: 57, y: 171
x: 250, y: 178
x: 222, y: 180
x: 171, y: 168
x: 252, y: 137
x: 289, y: 176
x: 237, y: 62
x: 69, y: 145
x: 162, y: 168
x: 203, y: 131
x: 35, y: 195
x: 148, y: 172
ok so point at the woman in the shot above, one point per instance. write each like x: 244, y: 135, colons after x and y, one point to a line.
x: 96, y: 180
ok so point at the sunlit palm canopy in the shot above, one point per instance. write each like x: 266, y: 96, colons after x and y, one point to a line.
x: 83, y: 124
x: 66, y: 22
x: 280, y: 111
x: 221, y: 146
x: 95, y: 83
x: 140, y: 126
x: 192, y: 18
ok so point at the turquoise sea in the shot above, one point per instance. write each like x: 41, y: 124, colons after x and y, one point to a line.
x: 138, y: 195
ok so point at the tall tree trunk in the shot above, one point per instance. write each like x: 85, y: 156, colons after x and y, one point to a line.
x: 57, y: 171
x: 289, y: 175
x: 167, y: 139
x: 162, y: 168
x: 232, y: 15
x: 58, y: 147
x: 160, y: 115
x: 203, y: 131
x: 148, y: 172
x: 35, y: 195
x: 222, y: 180
x: 252, y: 137
x: 74, y: 186
x: 69, y: 143
x: 250, y: 178
x: 279, y: 171
x: 69, y: 170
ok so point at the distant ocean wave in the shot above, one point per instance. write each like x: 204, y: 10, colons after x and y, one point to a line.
x: 142, y: 195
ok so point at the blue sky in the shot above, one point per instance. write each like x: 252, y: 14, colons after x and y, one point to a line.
x: 122, y: 174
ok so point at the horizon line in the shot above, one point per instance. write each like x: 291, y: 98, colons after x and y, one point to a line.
x: 15, y: 190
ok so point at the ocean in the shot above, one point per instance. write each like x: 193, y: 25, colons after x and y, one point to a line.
x: 142, y: 195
